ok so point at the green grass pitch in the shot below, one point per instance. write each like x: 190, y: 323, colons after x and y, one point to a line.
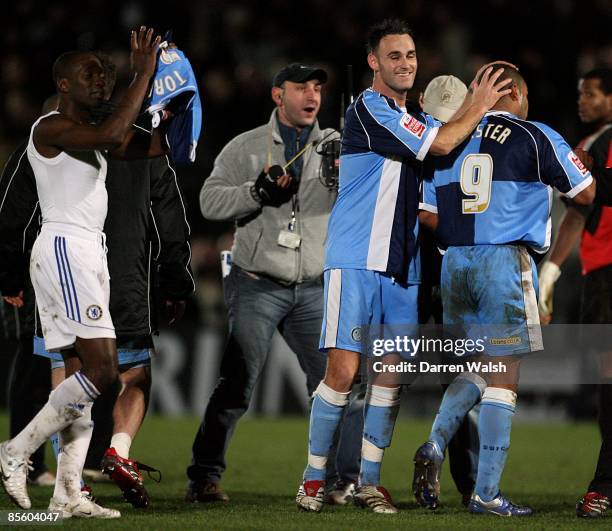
x: 549, y: 467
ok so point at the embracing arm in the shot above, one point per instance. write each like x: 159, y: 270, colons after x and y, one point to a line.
x: 429, y: 220
x: 485, y: 93
x: 570, y: 230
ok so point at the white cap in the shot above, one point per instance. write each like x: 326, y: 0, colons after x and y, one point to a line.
x: 443, y: 96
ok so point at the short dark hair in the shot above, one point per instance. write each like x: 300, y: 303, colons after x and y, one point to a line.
x: 389, y: 26
x: 605, y: 78
x: 508, y: 73
x: 64, y: 64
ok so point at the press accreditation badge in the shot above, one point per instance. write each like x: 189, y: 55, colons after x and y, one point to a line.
x: 226, y: 263
x: 289, y: 239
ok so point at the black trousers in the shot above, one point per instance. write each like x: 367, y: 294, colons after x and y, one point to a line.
x: 102, y: 416
x: 466, y: 438
x: 596, y: 307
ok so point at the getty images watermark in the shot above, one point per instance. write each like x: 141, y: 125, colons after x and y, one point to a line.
x: 562, y: 356
x: 410, y: 347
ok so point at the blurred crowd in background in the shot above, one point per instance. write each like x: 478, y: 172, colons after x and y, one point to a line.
x: 237, y: 46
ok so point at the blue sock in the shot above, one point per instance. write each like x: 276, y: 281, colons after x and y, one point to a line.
x: 381, y: 408
x: 55, y: 444
x: 458, y: 399
x: 369, y: 474
x: 325, y: 414
x: 494, y: 426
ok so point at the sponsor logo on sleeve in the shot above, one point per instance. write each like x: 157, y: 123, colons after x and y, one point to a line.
x: 573, y: 158
x: 412, y: 125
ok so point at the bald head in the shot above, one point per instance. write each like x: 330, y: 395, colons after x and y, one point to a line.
x: 508, y: 73
x: 516, y: 102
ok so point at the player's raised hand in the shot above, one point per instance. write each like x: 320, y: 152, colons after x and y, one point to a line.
x: 143, y: 57
x: 487, y: 91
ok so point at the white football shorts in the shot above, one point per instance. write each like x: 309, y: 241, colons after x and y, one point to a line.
x: 70, y: 275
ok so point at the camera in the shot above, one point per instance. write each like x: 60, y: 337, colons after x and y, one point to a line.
x: 330, y: 163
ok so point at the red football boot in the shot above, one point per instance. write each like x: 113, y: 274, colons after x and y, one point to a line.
x: 126, y: 475
x: 592, y: 505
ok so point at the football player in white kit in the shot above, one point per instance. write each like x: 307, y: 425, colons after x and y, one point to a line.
x: 68, y: 265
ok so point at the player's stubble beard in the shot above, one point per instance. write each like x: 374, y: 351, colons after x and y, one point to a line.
x: 389, y: 77
x: 401, y: 90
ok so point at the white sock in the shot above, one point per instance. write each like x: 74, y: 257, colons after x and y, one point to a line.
x: 66, y: 404
x: 121, y: 442
x: 74, y: 440
x: 60, y: 492
x: 371, y: 452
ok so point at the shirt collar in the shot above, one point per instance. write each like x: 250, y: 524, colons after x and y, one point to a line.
x: 290, y: 134
x: 498, y: 113
x: 314, y: 132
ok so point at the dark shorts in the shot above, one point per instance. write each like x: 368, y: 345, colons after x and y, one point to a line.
x: 596, y: 304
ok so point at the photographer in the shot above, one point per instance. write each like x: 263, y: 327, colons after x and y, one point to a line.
x: 269, y: 181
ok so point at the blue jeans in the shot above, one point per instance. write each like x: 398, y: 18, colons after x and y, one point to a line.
x: 256, y: 307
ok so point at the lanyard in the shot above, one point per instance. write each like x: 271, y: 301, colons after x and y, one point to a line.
x: 295, y: 205
x: 295, y: 208
x: 293, y: 159
x: 298, y: 155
